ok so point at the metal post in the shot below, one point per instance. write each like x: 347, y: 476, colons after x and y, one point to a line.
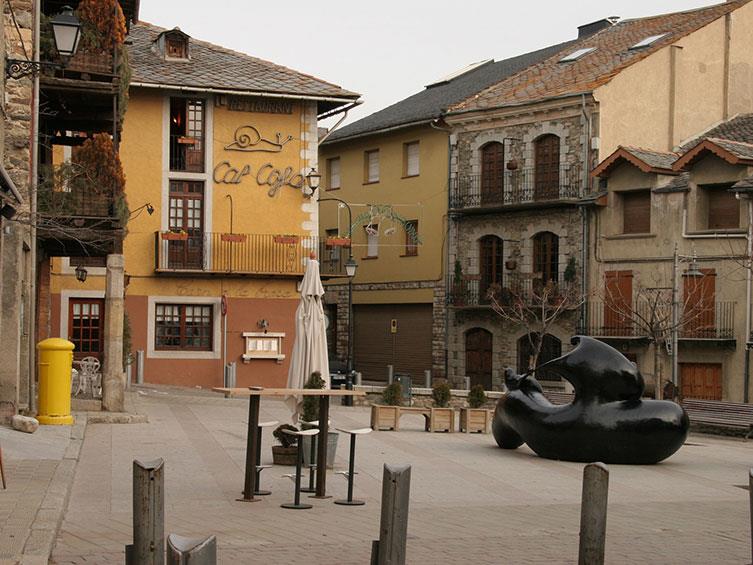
x: 467, y: 383
x: 393, y: 527
x: 427, y: 378
x: 593, y: 514
x: 191, y: 551
x: 390, y: 374
x: 675, y: 321
x: 140, y: 367
x: 750, y: 496
x: 148, y: 514
x: 252, y: 445
x: 321, y: 453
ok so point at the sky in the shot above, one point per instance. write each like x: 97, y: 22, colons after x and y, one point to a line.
x: 394, y: 50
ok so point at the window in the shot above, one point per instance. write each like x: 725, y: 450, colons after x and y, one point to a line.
x: 636, y: 211
x: 492, y: 173
x: 410, y: 159
x: 372, y: 240
x: 186, y: 215
x: 187, y: 135
x: 333, y: 173
x: 371, y: 166
x: 332, y: 252
x: 411, y: 234
x: 547, y: 167
x: 176, y: 47
x: 546, y: 247
x: 183, y: 326
x: 723, y: 207
x: 575, y: 55
x: 551, y: 348
x: 491, y: 258
x: 648, y: 41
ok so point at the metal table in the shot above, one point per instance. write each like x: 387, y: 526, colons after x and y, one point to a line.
x: 252, y: 438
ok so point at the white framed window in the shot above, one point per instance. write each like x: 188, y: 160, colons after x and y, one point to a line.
x: 333, y: 171
x: 371, y: 162
x: 372, y: 240
x: 410, y: 158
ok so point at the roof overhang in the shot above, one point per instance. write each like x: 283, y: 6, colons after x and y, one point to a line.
x: 622, y: 155
x: 380, y: 131
x: 710, y: 146
x: 329, y: 101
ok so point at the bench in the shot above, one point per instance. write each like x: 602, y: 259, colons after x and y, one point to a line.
x: 718, y: 414
x: 388, y: 417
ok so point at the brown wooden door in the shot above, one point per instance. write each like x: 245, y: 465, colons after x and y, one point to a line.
x: 492, y: 173
x: 618, y: 301
x: 186, y: 215
x: 86, y: 320
x: 701, y: 380
x: 698, y: 300
x: 546, y: 249
x: 478, y: 357
x: 547, y: 173
x: 491, y: 259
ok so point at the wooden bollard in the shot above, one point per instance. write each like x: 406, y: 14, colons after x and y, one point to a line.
x: 593, y: 514
x: 393, y: 527
x: 148, y: 514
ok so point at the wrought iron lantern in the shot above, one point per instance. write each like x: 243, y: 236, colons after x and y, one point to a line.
x: 313, y: 179
x: 81, y: 273
x: 66, y: 28
x: 350, y: 267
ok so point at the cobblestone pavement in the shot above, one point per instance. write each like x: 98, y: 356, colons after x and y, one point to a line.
x: 470, y: 501
x: 39, y: 472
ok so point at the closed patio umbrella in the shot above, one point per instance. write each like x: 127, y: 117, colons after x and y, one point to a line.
x: 310, y: 346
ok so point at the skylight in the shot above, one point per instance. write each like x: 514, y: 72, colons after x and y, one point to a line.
x: 466, y: 69
x: 575, y: 55
x: 648, y: 41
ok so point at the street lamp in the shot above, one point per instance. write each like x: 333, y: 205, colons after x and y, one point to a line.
x: 81, y: 273
x: 66, y: 30
x: 693, y: 271
x: 313, y: 179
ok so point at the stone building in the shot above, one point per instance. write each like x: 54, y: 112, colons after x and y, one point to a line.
x: 523, y: 150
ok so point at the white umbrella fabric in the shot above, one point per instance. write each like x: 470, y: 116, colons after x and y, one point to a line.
x: 310, y: 346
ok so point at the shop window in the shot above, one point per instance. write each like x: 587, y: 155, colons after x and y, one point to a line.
x: 723, y: 209
x: 410, y: 159
x: 183, y: 326
x: 371, y: 166
x: 636, y: 211
x: 333, y: 173
x: 411, y: 234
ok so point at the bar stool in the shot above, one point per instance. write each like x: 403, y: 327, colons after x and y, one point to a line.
x: 351, y: 466
x: 312, y: 458
x: 259, y: 467
x: 296, y: 504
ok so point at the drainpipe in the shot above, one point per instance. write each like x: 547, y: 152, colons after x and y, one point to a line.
x: 749, y: 285
x: 587, y: 126
x: 33, y: 173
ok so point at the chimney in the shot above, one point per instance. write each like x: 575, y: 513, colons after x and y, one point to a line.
x: 587, y: 30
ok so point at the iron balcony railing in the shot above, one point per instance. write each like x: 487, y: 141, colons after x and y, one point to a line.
x: 186, y: 154
x: 244, y: 254
x: 717, y: 321
x: 521, y: 186
x: 469, y: 292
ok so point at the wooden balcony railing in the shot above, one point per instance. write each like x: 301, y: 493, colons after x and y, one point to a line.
x: 715, y: 322
x: 470, y: 292
x: 244, y: 254
x: 521, y: 186
x: 77, y: 202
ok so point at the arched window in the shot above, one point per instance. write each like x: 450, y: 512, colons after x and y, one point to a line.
x: 546, y: 249
x: 547, y: 173
x: 492, y: 172
x: 490, y: 262
x: 551, y: 348
x: 478, y: 357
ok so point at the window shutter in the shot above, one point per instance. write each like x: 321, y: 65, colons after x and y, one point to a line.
x: 724, y: 209
x: 636, y: 212
x: 373, y: 166
x: 334, y: 173
x: 411, y: 157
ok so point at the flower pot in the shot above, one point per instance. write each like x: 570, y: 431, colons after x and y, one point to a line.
x: 171, y: 236
x: 475, y: 420
x: 332, y: 438
x: 384, y: 417
x: 284, y: 455
x: 512, y: 165
x: 442, y: 420
x: 511, y: 264
x: 338, y: 241
x: 287, y: 239
x: 233, y: 237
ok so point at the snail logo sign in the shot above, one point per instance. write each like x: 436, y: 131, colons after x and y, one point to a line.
x: 247, y: 139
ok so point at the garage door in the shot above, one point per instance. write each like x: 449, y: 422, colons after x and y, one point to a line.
x: 408, y: 349
x: 701, y: 380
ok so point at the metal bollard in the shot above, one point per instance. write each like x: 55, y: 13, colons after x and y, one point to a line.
x: 390, y: 374
x: 148, y: 546
x: 467, y: 383
x: 140, y: 367
x: 191, y: 551
x: 427, y: 378
x: 750, y: 496
x: 393, y: 527
x: 593, y: 514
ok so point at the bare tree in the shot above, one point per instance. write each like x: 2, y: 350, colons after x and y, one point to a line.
x: 536, y: 307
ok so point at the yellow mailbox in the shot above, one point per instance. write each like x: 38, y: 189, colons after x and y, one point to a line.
x: 55, y: 364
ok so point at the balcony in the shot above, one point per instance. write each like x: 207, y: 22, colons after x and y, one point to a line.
x: 715, y: 323
x: 243, y: 254
x: 515, y: 188
x: 186, y: 154
x: 469, y: 292
x: 76, y: 202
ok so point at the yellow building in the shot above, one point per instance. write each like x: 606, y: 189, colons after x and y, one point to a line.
x: 216, y: 146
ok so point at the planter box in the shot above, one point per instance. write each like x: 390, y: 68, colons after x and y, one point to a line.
x: 175, y: 236
x: 187, y: 140
x: 234, y: 237
x: 284, y: 455
x: 287, y: 239
x: 338, y: 241
x: 384, y: 417
x: 475, y: 420
x: 442, y: 420
x: 332, y: 438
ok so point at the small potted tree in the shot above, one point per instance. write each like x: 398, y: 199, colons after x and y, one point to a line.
x: 475, y: 418
x: 287, y: 451
x: 310, y: 413
x: 442, y: 415
x: 385, y: 416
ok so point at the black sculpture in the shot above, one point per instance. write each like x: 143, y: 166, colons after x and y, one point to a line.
x: 607, y: 421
